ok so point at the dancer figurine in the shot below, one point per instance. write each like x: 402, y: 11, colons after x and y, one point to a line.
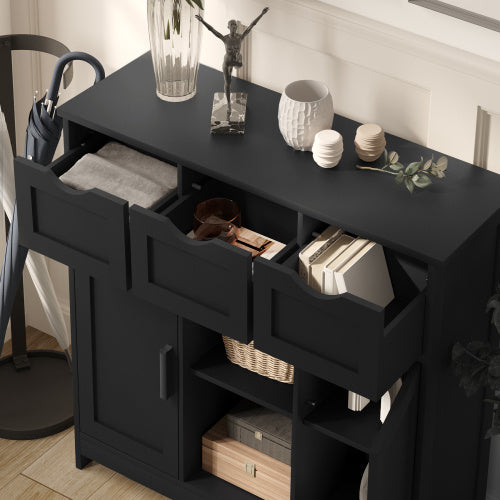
x: 232, y: 58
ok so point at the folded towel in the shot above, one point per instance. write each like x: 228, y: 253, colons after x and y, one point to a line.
x: 123, y: 172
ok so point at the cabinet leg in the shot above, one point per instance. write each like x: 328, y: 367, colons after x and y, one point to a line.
x: 81, y: 461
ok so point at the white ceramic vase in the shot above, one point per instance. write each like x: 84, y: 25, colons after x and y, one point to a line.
x: 306, y: 107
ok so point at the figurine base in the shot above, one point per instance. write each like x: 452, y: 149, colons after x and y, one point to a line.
x: 234, y: 123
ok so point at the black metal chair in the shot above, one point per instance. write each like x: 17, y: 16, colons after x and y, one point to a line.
x: 35, y: 386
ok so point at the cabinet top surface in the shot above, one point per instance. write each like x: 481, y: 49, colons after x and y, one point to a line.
x: 429, y: 224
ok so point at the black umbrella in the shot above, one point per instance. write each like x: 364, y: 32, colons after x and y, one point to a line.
x: 44, y: 128
x: 42, y: 136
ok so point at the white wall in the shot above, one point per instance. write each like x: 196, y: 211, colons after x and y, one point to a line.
x: 424, y: 76
x: 430, y: 24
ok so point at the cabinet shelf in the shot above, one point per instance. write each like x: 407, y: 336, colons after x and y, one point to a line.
x: 214, y: 367
x: 356, y: 429
x: 210, y: 486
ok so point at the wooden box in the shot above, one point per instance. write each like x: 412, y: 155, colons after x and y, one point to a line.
x: 262, y: 429
x: 243, y: 466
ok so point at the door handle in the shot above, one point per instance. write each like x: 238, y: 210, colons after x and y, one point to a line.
x: 166, y: 376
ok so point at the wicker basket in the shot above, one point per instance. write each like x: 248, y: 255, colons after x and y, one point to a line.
x: 246, y: 356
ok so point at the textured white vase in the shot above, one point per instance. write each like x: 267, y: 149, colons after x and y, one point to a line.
x: 306, y: 107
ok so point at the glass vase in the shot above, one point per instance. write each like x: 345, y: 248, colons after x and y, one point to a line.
x: 174, y: 35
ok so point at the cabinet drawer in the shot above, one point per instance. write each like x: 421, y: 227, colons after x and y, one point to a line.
x: 87, y: 230
x: 206, y: 282
x: 343, y: 339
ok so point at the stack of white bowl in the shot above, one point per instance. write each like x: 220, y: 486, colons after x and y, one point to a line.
x: 327, y: 148
x: 369, y: 142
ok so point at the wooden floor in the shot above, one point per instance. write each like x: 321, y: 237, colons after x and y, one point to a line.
x: 44, y: 469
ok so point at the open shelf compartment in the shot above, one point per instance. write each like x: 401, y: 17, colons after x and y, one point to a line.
x: 217, y: 369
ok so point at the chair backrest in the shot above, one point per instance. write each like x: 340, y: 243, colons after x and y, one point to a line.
x: 37, y: 43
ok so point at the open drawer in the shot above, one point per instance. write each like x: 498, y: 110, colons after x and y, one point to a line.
x: 341, y: 338
x: 208, y: 282
x: 87, y: 230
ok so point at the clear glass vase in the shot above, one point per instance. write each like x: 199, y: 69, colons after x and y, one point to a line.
x: 174, y: 35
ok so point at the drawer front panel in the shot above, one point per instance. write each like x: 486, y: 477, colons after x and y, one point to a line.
x: 341, y: 339
x: 318, y: 330
x: 206, y: 282
x: 87, y: 230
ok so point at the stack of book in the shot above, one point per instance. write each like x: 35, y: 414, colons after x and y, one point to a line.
x: 336, y: 263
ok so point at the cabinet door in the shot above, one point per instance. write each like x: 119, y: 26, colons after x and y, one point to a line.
x: 127, y: 365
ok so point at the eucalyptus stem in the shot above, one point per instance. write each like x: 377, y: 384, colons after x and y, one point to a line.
x: 376, y: 169
x: 416, y: 174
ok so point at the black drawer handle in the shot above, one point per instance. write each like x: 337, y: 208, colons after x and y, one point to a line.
x: 166, y: 353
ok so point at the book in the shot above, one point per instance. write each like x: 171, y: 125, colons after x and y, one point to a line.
x: 328, y: 284
x: 317, y: 266
x: 356, y: 402
x: 314, y: 249
x: 366, y: 275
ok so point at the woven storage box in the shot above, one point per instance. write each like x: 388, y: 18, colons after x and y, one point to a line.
x: 243, y: 466
x: 246, y: 356
x: 261, y: 429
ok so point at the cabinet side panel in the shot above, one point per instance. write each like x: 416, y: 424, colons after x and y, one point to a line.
x: 450, y: 437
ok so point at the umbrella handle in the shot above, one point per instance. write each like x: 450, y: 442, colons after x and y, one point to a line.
x: 59, y: 68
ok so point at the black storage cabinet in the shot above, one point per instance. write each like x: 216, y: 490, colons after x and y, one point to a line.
x: 149, y: 304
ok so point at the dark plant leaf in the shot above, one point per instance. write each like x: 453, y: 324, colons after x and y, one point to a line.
x: 471, y: 365
x: 167, y: 31
x: 399, y: 178
x: 199, y: 3
x: 457, y: 351
x: 494, y: 305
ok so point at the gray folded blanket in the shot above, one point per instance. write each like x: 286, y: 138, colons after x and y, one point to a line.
x: 123, y: 172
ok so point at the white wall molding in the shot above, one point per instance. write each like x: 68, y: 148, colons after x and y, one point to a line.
x: 393, y: 37
x: 482, y: 137
x: 487, y: 147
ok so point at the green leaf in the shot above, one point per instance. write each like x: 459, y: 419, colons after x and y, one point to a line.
x: 396, y: 166
x: 393, y: 157
x: 427, y: 165
x: 421, y: 180
x: 399, y: 178
x: 199, y: 3
x: 167, y: 31
x: 442, y: 163
x: 413, y: 167
x: 409, y: 184
x: 190, y: 3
